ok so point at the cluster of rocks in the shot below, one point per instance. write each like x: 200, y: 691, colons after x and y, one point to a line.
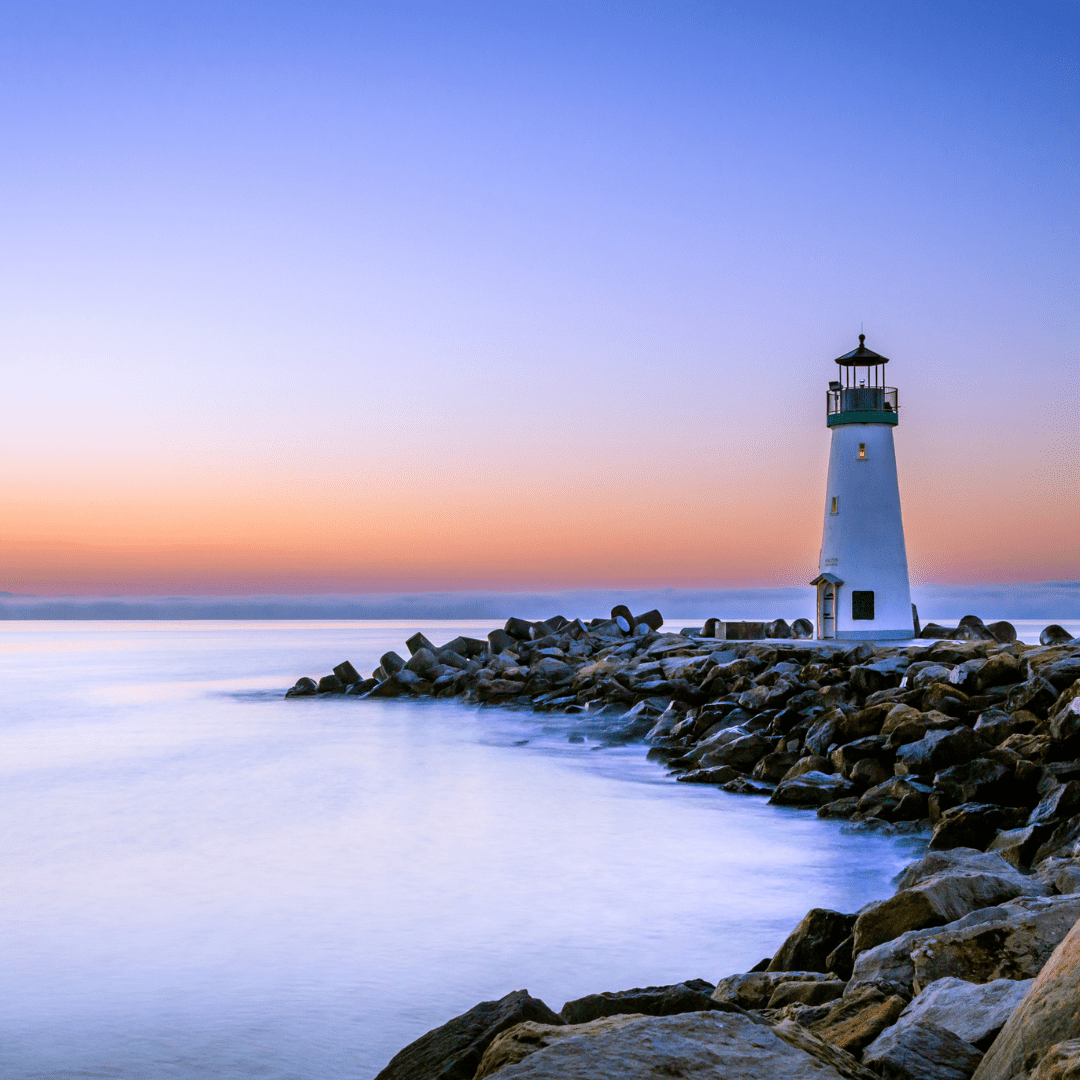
x: 972, y: 736
x: 972, y: 968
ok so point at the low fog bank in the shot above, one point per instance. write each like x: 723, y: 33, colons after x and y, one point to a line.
x: 1049, y: 600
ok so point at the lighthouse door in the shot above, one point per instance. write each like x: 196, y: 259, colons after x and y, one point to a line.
x: 827, y: 609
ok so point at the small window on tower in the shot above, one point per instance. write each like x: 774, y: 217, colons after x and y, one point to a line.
x: 862, y: 605
x: 834, y: 509
x: 862, y: 451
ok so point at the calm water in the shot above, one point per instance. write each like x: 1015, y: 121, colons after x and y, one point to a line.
x: 201, y: 879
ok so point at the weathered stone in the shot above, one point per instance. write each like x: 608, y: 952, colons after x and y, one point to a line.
x: 858, y: 1018
x: 1032, y: 747
x: 706, y: 1046
x: 1065, y: 714
x: 330, y: 684
x: 1018, y: 846
x: 422, y: 662
x: 980, y: 780
x: 962, y: 861
x: 1061, y: 673
x: 999, y: 669
x: 1012, y: 941
x: 1060, y: 875
x: 933, y: 902
x: 689, y: 996
x: 391, y: 663
x: 1054, y: 635
x: 869, y: 772
x: 938, y: 750
x: 802, y: 628
x: 922, y: 1051
x: 743, y: 785
x: 499, y: 641
x: 518, y: 1042
x: 995, y: 725
x: 418, y: 642
x: 453, y: 1051
x: 718, y: 775
x: 742, y: 752
x: 304, y: 687
x: 808, y: 946
x: 841, y: 960
x: 1061, y: 803
x: 1035, y: 696
x: 1048, y: 1015
x: 1003, y: 631
x: 888, y: 966
x: 753, y: 989
x: 899, y: 799
x: 806, y: 993
x: 975, y: 1012
x: 844, y: 809
x: 778, y: 628
x: 974, y: 825
x: 811, y: 789
x: 1064, y: 841
x: 772, y: 768
x: 794, y: 1034
x: 810, y: 763
x: 1062, y: 1062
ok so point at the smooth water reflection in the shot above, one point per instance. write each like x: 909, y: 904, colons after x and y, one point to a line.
x: 204, y: 880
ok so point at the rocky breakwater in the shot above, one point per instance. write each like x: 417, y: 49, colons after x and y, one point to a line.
x: 972, y: 968
x: 974, y: 738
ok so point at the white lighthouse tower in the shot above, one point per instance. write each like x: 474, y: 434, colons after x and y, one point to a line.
x: 862, y: 582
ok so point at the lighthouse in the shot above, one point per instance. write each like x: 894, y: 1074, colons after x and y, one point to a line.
x: 862, y: 582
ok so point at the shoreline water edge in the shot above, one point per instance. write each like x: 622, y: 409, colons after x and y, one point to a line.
x: 972, y: 968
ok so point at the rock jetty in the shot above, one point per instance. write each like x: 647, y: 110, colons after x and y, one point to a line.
x: 972, y: 968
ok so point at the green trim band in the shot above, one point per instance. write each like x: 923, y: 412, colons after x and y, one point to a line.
x: 883, y: 417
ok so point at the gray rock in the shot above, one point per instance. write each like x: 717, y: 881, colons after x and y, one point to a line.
x: 888, y: 966
x: 995, y: 725
x: 391, y: 663
x: 1048, y: 1015
x: 974, y: 825
x: 705, y: 1046
x: 975, y: 1012
x: 304, y: 687
x: 921, y: 1052
x: 418, y: 642
x: 753, y: 989
x: 422, y: 662
x: 689, y: 996
x: 938, y: 750
x: 1054, y: 635
x: 1061, y: 1062
x: 453, y: 1051
x: 1011, y: 941
x: 330, y: 684
x: 499, y: 641
x: 934, y: 901
x: 1061, y: 803
x: 802, y: 628
x: 811, y: 789
x: 809, y: 945
x: 347, y: 673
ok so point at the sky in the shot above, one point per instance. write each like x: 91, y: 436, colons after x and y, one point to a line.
x: 331, y: 297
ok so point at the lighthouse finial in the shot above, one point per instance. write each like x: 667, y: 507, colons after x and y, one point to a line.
x: 862, y: 338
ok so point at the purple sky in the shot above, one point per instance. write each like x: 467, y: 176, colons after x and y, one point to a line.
x: 331, y: 296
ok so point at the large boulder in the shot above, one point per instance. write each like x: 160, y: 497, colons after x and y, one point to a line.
x: 706, y: 1046
x: 974, y: 825
x: 809, y: 945
x: 888, y: 967
x: 938, y: 750
x: 453, y: 1051
x: 859, y: 1017
x: 898, y: 799
x: 933, y: 902
x: 1054, y: 635
x: 1012, y: 941
x: 1048, y: 1015
x: 1062, y: 1062
x: 975, y: 1012
x: 922, y: 1051
x: 754, y: 989
x: 689, y: 996
x: 811, y: 789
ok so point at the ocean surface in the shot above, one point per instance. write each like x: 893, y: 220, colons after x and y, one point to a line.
x: 201, y: 879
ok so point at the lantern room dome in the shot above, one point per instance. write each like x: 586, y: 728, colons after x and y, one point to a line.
x: 862, y: 356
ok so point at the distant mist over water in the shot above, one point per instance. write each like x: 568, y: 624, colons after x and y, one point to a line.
x: 1050, y: 600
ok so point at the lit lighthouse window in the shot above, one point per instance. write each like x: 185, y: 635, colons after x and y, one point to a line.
x: 834, y: 509
x: 862, y: 451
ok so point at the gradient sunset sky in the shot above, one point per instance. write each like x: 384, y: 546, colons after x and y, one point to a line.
x: 328, y: 296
